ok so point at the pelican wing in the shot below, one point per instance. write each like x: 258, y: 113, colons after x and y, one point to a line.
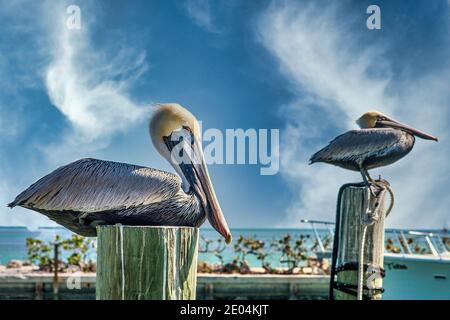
x: 358, y: 144
x: 90, y: 185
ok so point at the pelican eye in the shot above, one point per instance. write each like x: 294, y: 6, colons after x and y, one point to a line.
x: 192, y: 140
x: 178, y: 136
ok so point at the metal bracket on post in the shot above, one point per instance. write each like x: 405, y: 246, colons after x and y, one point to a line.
x: 371, y: 212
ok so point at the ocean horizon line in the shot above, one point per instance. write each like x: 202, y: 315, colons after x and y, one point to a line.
x: 26, y: 228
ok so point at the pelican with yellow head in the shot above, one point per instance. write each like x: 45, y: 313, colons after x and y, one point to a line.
x: 381, y: 141
x: 91, y: 192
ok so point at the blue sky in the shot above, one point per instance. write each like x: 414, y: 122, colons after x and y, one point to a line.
x: 308, y: 68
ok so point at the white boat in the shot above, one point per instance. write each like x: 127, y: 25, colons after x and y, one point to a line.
x: 420, y: 270
x: 417, y: 264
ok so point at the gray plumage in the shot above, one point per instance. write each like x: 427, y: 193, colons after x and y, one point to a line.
x: 366, y: 148
x: 89, y: 192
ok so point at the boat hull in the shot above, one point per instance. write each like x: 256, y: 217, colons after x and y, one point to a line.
x: 416, y: 277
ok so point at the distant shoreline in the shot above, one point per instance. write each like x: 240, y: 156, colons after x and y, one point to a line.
x: 444, y: 230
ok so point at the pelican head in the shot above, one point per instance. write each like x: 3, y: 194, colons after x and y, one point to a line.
x: 375, y: 119
x: 176, y: 135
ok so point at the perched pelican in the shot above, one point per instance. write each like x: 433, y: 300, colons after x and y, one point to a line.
x: 380, y: 142
x: 91, y: 192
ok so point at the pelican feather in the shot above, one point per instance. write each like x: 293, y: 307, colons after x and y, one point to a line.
x: 87, y: 192
x: 369, y: 148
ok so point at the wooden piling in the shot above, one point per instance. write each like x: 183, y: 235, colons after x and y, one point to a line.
x: 55, y: 270
x: 143, y: 262
x: 350, y: 217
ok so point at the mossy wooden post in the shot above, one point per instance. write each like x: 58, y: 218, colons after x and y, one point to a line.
x: 141, y: 263
x: 350, y: 210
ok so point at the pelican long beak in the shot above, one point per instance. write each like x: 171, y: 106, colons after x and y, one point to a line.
x: 196, y: 173
x: 397, y: 125
x: 214, y: 212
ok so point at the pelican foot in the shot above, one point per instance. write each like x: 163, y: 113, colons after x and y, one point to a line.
x: 374, y: 189
x: 377, y: 186
x: 377, y: 189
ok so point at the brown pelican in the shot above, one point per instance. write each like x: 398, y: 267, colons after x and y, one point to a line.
x: 89, y: 192
x: 380, y: 142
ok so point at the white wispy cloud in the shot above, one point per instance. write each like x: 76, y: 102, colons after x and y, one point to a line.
x: 90, y: 88
x: 9, y: 123
x: 89, y: 85
x: 331, y: 72
x: 200, y: 13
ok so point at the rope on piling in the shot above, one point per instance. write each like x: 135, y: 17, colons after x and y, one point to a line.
x: 359, y: 295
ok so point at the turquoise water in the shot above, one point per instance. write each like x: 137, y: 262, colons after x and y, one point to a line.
x: 266, y: 235
x: 13, y: 242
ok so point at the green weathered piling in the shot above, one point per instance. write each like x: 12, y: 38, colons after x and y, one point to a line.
x: 141, y: 263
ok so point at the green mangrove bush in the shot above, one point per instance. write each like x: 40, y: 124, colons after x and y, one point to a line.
x: 72, y: 252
